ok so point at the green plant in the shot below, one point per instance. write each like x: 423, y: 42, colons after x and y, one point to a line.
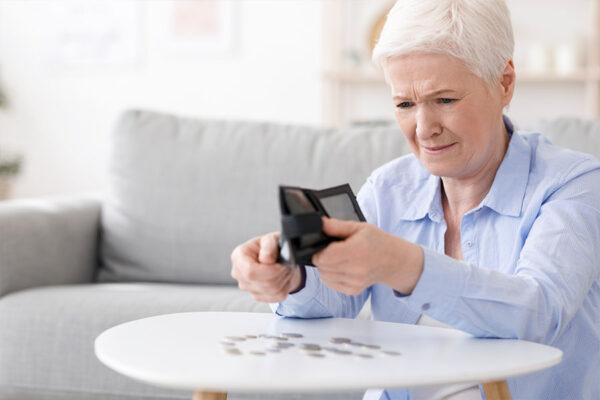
x: 2, y: 98
x: 10, y: 165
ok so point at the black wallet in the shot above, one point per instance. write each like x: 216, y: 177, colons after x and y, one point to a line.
x: 301, y: 225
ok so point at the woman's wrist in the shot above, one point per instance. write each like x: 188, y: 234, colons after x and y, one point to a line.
x: 298, y: 279
x: 405, y: 266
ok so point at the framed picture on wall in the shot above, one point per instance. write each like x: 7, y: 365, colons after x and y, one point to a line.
x: 95, y: 35
x: 202, y: 28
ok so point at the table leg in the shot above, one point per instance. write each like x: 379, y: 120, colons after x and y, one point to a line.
x: 209, y: 396
x: 497, y: 390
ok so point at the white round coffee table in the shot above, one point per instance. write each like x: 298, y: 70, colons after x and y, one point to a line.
x: 203, y: 352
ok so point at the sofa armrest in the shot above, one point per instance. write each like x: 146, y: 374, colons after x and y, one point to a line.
x: 48, y: 241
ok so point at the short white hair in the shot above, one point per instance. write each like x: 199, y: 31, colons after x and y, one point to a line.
x: 477, y: 32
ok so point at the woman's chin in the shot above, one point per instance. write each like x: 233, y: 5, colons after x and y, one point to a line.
x: 447, y: 169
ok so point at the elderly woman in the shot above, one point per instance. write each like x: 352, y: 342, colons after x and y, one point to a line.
x: 484, y: 229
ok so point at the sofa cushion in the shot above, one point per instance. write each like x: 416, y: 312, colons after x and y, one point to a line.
x: 185, y: 192
x: 62, y: 322
x: 48, y: 352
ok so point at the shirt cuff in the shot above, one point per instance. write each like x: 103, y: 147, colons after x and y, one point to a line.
x: 440, y: 286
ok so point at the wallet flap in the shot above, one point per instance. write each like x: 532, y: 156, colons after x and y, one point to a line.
x: 297, y: 225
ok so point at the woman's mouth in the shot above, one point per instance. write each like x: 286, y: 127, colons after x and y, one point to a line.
x: 437, y: 149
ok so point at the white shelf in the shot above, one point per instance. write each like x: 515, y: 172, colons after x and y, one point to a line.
x: 362, y: 76
x: 553, y: 77
x: 341, y: 82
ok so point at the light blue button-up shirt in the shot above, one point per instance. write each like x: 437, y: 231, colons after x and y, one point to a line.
x: 531, y: 266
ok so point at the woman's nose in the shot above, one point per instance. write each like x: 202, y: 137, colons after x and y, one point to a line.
x: 427, y: 124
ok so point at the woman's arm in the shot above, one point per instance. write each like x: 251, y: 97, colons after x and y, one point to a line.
x: 558, y: 265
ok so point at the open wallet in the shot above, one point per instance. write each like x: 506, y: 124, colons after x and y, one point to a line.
x: 301, y: 225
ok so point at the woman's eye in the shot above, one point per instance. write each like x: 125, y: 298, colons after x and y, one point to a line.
x: 446, y: 100
x: 404, y: 104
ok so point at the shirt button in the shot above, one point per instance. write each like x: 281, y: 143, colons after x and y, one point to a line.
x: 469, y: 243
x: 425, y: 306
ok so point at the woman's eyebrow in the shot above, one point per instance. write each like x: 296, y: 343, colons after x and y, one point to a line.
x: 430, y: 94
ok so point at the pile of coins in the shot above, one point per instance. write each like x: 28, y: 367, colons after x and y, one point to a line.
x: 337, y: 346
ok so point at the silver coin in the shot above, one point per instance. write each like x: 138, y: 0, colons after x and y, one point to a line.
x: 292, y: 335
x: 235, y: 338
x: 333, y: 350
x: 285, y: 345
x: 355, y: 344
x: 371, y: 346
x: 310, y: 346
x: 339, y: 340
x: 391, y: 353
x: 273, y: 350
x: 258, y: 353
x: 316, y: 355
x: 364, y: 355
x: 273, y: 337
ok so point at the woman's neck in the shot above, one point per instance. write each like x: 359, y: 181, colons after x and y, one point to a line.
x: 460, y: 195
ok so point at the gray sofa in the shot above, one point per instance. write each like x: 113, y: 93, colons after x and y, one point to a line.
x: 183, y: 193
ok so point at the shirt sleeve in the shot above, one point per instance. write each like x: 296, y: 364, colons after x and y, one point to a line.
x: 316, y: 300
x: 557, y: 266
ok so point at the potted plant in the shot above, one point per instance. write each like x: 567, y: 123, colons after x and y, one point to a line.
x: 10, y: 164
x: 2, y: 98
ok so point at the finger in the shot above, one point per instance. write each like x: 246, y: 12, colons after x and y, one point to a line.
x: 273, y: 284
x: 269, y: 248
x: 339, y: 228
x: 252, y: 271
x: 244, y: 252
x: 273, y: 293
x: 335, y: 253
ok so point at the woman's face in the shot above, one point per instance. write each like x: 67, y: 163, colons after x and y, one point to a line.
x: 450, y: 117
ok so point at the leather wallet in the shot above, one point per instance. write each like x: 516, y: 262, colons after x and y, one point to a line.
x: 301, y: 225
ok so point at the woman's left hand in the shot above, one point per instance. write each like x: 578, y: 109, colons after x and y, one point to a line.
x: 367, y: 255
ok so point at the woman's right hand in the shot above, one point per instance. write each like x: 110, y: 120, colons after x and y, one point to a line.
x: 254, y: 265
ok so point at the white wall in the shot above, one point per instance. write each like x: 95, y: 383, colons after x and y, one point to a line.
x: 545, y: 24
x: 61, y: 120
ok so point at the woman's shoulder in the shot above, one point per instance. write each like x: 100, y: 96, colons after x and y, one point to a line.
x: 557, y: 163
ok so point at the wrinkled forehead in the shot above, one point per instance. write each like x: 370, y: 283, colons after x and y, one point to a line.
x: 428, y: 73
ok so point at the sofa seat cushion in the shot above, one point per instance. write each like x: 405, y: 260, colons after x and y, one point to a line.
x: 60, y: 323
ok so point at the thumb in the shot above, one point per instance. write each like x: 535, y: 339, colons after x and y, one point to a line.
x: 339, y: 228
x: 268, y: 248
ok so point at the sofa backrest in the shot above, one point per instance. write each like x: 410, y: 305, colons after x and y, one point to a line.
x: 574, y: 133
x: 185, y: 192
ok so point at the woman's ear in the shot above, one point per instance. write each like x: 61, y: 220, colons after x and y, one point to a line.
x: 507, y: 82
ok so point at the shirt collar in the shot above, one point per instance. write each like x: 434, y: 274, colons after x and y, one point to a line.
x: 424, y: 199
x: 505, y: 196
x: 508, y: 189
